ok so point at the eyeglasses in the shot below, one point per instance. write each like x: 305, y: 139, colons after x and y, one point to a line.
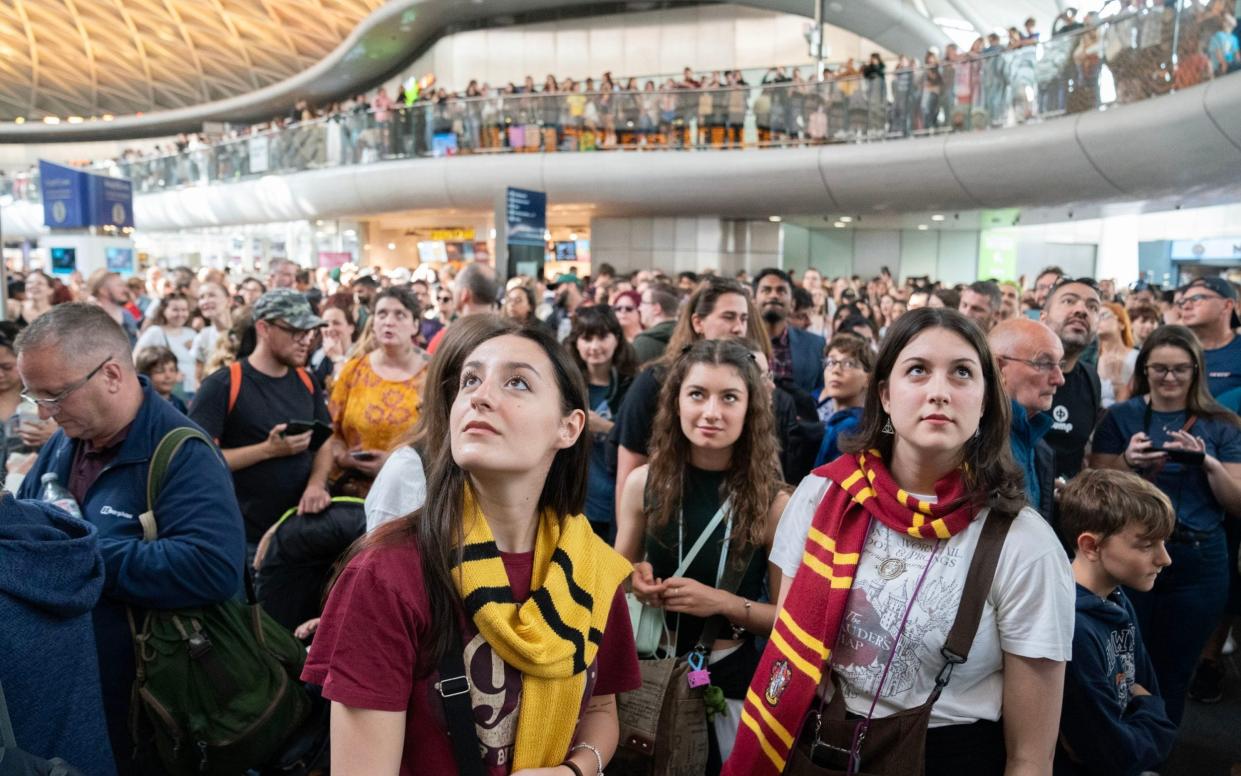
x: 53, y: 404
x: 843, y: 363
x: 1178, y: 371
x: 1186, y: 301
x: 624, y: 309
x: 297, y: 335
x: 1039, y: 366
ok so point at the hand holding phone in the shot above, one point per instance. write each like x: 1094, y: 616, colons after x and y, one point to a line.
x: 363, y: 455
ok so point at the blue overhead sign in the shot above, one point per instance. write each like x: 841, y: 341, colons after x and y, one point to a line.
x: 65, y: 196
x: 111, y: 201
x: 73, y: 198
x: 526, y: 214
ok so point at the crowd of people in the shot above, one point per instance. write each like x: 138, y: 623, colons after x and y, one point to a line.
x: 768, y: 524
x: 1004, y: 78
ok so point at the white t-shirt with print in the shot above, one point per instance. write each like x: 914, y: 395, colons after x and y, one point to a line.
x: 1029, y: 611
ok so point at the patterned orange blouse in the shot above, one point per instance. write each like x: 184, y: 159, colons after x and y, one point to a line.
x: 372, y: 413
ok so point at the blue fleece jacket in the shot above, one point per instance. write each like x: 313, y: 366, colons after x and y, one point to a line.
x: 51, y: 575
x: 196, y: 561
x: 1104, y: 727
x: 841, y: 422
x: 1025, y: 431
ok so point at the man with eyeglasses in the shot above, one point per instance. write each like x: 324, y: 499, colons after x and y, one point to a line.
x: 1209, y: 307
x: 1031, y: 368
x: 1071, y: 311
x: 76, y: 364
x: 658, y: 313
x: 248, y: 415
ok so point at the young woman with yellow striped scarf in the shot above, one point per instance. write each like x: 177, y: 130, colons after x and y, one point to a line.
x: 713, y: 448
x: 499, y: 560
x: 875, y: 547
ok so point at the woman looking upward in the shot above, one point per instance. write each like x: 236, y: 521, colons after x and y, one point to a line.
x: 874, y: 549
x: 485, y: 563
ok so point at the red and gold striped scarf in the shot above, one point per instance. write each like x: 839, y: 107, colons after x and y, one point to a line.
x: 801, y: 642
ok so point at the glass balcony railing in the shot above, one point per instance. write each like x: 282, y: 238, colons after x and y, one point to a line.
x: 1132, y: 56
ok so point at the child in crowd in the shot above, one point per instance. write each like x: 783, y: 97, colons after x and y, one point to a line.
x: 846, y: 374
x: 159, y: 364
x: 1113, y: 720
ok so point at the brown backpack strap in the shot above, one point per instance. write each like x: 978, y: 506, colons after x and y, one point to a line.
x: 978, y: 579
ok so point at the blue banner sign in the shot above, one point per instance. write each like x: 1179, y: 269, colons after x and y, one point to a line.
x: 112, y: 202
x: 526, y: 214
x: 74, y: 199
x: 65, y: 192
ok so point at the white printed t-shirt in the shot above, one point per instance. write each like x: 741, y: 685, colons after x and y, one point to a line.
x: 1029, y: 611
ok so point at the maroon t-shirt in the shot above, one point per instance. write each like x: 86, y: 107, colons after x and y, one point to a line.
x: 366, y: 655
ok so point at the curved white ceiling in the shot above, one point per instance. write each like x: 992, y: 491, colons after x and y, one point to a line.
x: 209, y: 86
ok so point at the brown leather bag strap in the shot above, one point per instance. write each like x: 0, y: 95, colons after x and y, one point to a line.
x: 978, y: 581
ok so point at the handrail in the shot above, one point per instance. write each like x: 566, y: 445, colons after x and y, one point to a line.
x: 1127, y: 58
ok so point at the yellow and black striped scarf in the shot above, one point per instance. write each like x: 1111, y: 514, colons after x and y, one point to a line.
x: 800, y: 649
x: 553, y: 636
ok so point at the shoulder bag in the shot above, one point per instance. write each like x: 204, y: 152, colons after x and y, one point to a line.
x: 663, y: 724
x: 833, y: 744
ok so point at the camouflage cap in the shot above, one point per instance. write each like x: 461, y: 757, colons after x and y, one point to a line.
x: 287, y: 305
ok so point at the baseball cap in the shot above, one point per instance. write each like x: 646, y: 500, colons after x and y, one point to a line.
x: 1221, y: 287
x: 287, y: 305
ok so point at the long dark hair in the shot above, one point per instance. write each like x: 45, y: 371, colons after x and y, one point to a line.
x: 753, y: 478
x: 1199, y: 403
x: 599, y: 321
x: 991, y: 473
x: 437, y: 527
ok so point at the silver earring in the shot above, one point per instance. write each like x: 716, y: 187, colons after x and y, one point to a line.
x: 887, y: 427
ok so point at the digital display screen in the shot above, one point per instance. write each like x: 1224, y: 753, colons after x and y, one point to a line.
x: 64, y: 260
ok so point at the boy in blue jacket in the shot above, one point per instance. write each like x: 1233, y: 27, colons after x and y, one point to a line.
x: 1113, y: 720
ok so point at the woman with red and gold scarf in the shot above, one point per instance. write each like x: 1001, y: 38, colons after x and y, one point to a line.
x: 875, y: 548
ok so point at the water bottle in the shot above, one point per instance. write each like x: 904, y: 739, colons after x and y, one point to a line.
x: 58, y: 495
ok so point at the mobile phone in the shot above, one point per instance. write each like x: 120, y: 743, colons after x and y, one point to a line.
x: 295, y: 427
x: 362, y: 455
x: 1186, y: 457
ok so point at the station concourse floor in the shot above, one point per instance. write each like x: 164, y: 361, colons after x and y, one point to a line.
x: 1210, y: 738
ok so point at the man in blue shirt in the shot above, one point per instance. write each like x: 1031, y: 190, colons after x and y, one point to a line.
x: 1031, y: 368
x: 1209, y: 307
x: 77, y: 367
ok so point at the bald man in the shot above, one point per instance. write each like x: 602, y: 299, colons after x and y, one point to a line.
x: 1031, y: 362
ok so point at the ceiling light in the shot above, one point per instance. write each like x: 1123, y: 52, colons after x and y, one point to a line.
x: 51, y: 119
x: 392, y: 246
x: 493, y: 234
x: 846, y: 219
x: 108, y: 117
x: 840, y: 224
x: 923, y: 227
x: 937, y: 217
x: 573, y: 236
x: 75, y: 119
x: 350, y: 233
x: 19, y: 120
x: 547, y: 234
x: 774, y: 219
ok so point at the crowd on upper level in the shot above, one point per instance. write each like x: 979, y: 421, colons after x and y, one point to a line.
x: 1004, y: 78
